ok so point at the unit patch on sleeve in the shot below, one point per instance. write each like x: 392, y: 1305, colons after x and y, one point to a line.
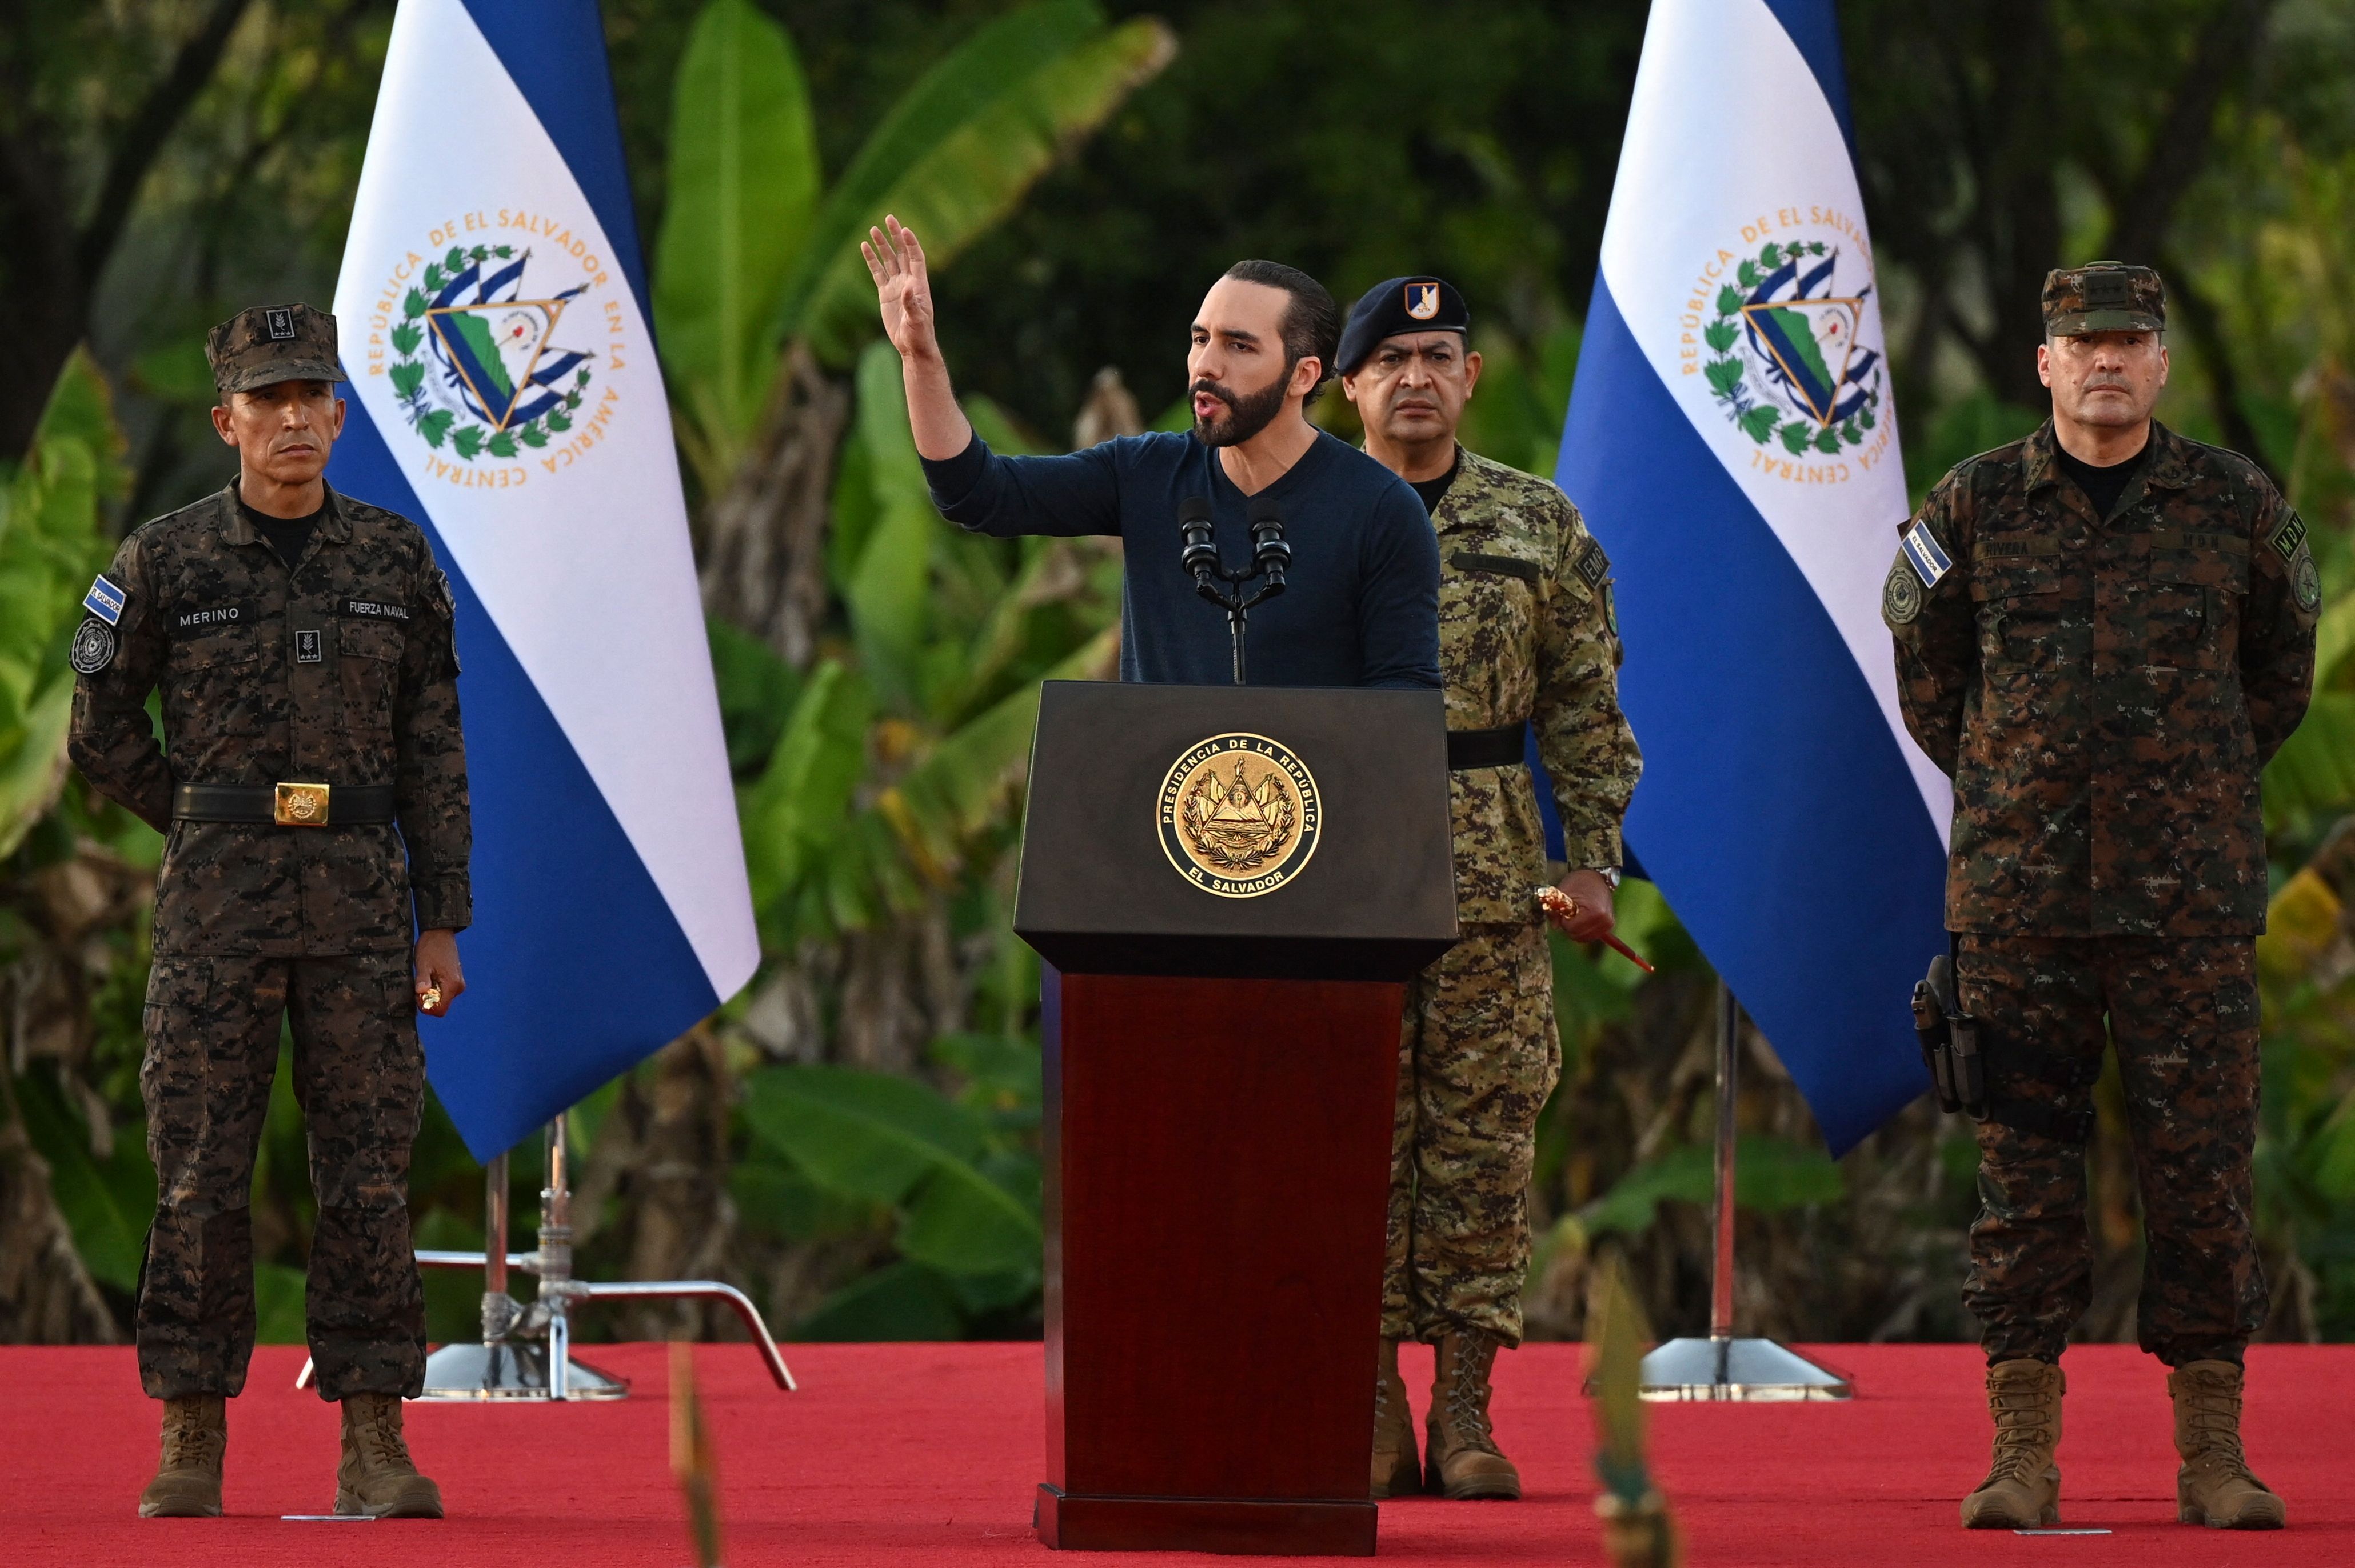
x: 1593, y: 564
x: 1901, y: 595
x: 1929, y: 557
x: 2287, y: 535
x: 93, y: 646
x: 106, y: 600
x: 2306, y: 584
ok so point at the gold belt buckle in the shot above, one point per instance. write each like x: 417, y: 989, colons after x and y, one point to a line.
x: 302, y: 805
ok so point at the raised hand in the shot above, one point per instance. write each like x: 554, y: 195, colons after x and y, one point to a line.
x: 903, y: 287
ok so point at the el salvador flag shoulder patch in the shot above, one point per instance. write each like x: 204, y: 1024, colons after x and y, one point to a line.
x: 106, y: 600
x: 1929, y: 557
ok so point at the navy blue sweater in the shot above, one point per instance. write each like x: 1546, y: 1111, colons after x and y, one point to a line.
x: 1361, y: 605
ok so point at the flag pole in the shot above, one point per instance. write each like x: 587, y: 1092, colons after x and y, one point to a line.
x: 1723, y: 1366
x: 526, y: 1353
x: 1729, y: 1062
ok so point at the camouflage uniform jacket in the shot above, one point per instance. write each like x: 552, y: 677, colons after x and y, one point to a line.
x: 2104, y: 691
x: 1527, y: 632
x: 343, y: 670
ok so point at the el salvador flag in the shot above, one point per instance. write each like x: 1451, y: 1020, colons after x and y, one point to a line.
x: 504, y: 394
x: 1732, y: 441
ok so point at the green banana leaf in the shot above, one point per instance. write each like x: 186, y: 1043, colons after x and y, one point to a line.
x: 106, y: 1203
x: 50, y: 547
x: 888, y: 592
x: 865, y: 1135
x: 776, y: 1199
x: 790, y: 813
x: 757, y: 691
x: 970, y: 778
x: 743, y: 181
x: 2334, y: 638
x: 2313, y: 772
x: 814, y: 875
x: 891, y: 1140
x: 958, y: 151
x: 902, y: 1302
x: 962, y: 1222
x: 2332, y: 1156
x: 1770, y: 1174
x: 278, y: 1315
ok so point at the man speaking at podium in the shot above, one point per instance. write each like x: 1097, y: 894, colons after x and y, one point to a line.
x: 1360, y: 606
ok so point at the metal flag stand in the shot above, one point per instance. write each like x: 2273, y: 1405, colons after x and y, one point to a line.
x: 1722, y: 1366
x: 526, y: 1353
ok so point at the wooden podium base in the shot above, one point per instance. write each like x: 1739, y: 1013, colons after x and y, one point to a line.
x: 1217, y: 1179
x: 1206, y: 1524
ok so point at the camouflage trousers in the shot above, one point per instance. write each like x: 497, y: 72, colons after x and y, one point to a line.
x: 2182, y: 1015
x: 212, y: 1049
x: 1479, y: 1053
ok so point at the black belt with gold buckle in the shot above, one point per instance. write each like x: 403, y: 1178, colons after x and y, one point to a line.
x: 290, y: 805
x: 1498, y: 748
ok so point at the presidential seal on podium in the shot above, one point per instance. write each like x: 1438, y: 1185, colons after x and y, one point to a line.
x: 1240, y: 815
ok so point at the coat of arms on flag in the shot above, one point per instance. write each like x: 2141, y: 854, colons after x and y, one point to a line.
x: 480, y: 368
x: 1792, y: 364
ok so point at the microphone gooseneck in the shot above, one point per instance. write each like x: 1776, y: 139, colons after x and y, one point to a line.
x: 1270, y: 555
x: 1199, y: 556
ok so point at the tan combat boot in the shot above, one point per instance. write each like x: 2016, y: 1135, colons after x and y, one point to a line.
x: 2215, y: 1487
x: 187, y: 1483
x: 1461, y: 1457
x: 376, y: 1475
x: 2022, y: 1490
x: 1397, y: 1473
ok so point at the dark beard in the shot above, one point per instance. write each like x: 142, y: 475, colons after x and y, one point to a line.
x: 1246, y: 416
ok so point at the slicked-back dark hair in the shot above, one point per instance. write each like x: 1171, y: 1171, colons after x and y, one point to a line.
x: 1312, y: 322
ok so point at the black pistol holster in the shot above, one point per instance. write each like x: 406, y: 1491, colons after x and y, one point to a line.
x: 1950, y: 1041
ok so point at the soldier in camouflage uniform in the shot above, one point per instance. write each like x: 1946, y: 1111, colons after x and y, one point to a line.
x: 1527, y: 636
x: 312, y: 786
x: 2102, y: 633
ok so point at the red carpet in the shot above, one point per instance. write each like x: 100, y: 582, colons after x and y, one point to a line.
x: 924, y: 1453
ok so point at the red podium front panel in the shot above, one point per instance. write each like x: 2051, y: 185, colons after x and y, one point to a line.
x: 1228, y: 886
x: 1218, y: 1164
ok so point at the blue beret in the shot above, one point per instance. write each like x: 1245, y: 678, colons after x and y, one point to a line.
x: 1399, y: 305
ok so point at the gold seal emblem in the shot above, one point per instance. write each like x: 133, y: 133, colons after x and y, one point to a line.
x: 1240, y: 815
x: 302, y: 805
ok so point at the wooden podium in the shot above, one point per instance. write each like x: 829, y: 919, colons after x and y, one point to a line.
x: 1229, y: 887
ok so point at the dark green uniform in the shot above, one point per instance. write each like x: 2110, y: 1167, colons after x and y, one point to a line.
x: 2105, y: 690
x: 339, y: 670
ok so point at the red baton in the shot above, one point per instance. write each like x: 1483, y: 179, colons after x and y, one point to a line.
x: 1561, y: 906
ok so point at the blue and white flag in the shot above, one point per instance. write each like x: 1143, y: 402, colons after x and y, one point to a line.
x: 493, y: 310
x: 1733, y: 440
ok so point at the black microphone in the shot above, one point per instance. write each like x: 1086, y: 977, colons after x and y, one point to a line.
x: 1270, y: 554
x: 1200, y: 557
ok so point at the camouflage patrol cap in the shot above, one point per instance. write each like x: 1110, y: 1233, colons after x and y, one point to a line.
x: 2102, y: 296
x: 273, y: 342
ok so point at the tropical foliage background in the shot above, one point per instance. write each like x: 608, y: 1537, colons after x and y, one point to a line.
x: 854, y: 1139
